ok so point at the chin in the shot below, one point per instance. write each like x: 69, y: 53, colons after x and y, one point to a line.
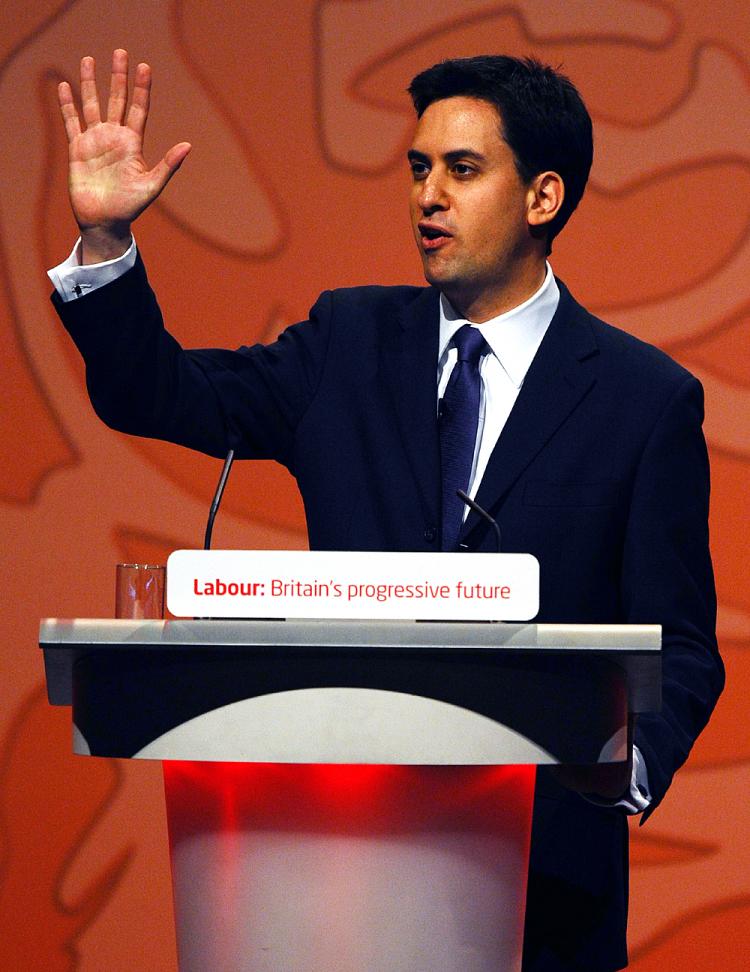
x: 434, y: 276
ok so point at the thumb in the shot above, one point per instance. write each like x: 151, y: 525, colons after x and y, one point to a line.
x: 163, y: 171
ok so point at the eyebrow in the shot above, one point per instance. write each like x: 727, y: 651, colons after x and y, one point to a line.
x: 451, y: 157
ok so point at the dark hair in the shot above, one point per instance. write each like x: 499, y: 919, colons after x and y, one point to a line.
x: 542, y: 116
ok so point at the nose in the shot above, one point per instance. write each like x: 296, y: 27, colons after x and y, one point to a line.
x: 431, y: 196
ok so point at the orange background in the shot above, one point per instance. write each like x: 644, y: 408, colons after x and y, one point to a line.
x: 297, y: 182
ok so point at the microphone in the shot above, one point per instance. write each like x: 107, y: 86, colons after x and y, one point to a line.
x: 484, y: 514
x: 217, y: 498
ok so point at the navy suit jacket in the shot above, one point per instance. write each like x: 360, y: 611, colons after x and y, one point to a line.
x: 600, y: 472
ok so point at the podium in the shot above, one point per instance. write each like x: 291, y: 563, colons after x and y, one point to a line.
x: 350, y: 795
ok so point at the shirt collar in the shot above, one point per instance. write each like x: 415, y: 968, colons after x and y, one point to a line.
x: 514, y: 337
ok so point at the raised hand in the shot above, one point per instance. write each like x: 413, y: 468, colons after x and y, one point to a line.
x: 109, y: 181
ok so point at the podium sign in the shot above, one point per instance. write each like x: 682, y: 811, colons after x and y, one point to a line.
x: 346, y: 585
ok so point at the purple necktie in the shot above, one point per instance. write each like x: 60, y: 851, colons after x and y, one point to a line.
x: 459, y: 418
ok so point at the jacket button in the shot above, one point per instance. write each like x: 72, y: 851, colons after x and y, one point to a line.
x: 430, y: 534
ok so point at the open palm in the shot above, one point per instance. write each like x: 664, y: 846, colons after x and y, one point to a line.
x: 109, y: 181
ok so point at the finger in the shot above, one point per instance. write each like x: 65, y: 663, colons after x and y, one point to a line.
x: 89, y: 96
x: 68, y: 111
x: 118, y: 87
x: 163, y: 171
x: 138, y: 113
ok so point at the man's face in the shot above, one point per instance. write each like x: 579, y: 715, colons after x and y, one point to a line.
x: 469, y: 209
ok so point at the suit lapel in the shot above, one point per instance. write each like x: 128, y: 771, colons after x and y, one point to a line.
x: 410, y: 364
x: 554, y: 385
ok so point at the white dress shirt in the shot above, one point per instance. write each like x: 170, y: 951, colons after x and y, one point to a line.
x: 513, y: 338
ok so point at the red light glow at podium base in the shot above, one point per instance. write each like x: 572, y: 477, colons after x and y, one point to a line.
x: 318, y: 868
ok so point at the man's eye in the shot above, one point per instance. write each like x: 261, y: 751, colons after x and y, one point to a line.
x: 462, y: 169
x: 419, y: 170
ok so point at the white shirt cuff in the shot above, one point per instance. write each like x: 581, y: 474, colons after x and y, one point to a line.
x: 72, y: 280
x: 638, y: 796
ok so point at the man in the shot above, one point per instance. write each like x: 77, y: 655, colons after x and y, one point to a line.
x: 583, y: 442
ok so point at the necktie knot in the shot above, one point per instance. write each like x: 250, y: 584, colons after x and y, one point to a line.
x: 469, y: 343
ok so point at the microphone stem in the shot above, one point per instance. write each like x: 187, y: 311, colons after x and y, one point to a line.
x: 484, y: 514
x: 217, y: 498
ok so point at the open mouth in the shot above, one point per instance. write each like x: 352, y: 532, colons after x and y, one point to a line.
x: 433, y: 236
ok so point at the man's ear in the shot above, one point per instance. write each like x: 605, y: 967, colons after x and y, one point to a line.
x: 545, y: 197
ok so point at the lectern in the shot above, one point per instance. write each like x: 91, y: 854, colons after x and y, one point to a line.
x: 350, y: 795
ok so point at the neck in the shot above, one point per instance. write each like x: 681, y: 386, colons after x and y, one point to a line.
x: 487, y: 302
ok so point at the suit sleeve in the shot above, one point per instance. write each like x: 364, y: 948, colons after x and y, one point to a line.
x: 667, y: 577
x: 142, y: 382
